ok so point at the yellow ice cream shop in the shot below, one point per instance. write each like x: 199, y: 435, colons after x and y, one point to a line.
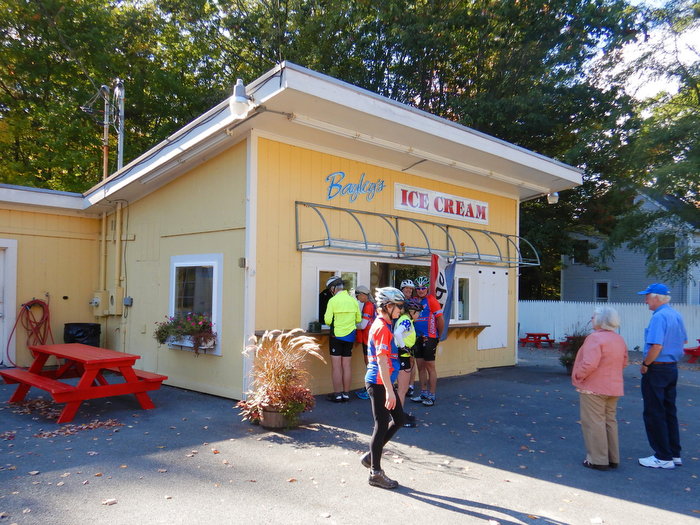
x: 246, y: 212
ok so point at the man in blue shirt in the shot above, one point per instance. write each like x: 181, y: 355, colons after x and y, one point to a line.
x: 664, y: 339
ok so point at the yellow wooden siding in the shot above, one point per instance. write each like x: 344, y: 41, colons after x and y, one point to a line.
x: 287, y: 174
x: 200, y: 212
x: 56, y: 255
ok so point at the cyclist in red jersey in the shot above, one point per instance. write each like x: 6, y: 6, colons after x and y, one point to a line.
x: 382, y: 371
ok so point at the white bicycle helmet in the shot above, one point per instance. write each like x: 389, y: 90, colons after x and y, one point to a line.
x: 333, y: 282
x: 407, y: 282
x: 422, y: 281
x: 387, y: 295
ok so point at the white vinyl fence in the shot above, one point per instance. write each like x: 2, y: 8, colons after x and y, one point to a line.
x: 560, y: 318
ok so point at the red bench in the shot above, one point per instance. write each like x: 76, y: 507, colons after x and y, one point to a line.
x: 53, y: 387
x: 149, y: 377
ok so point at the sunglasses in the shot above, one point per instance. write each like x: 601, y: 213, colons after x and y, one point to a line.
x: 421, y: 287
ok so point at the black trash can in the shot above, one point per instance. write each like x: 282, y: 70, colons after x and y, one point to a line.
x: 85, y: 333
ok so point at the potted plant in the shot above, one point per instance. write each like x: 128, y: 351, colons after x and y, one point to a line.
x: 279, y: 378
x: 569, y: 348
x: 190, y: 330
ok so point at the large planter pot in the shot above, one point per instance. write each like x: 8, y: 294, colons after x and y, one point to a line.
x: 273, y: 419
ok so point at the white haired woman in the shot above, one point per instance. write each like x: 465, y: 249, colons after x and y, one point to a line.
x: 597, y: 376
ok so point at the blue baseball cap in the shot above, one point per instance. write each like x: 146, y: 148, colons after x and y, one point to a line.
x: 658, y: 288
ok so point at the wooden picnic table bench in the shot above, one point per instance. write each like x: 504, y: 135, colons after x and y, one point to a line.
x: 88, y: 363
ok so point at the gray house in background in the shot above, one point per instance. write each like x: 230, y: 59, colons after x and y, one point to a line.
x: 628, y: 274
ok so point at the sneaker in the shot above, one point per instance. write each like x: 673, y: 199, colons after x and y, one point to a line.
x: 366, y: 460
x: 419, y: 398
x: 377, y: 478
x: 335, y: 398
x: 345, y: 396
x: 409, y: 421
x: 654, y: 462
x: 677, y: 462
x: 409, y: 392
x: 429, y: 401
x: 362, y: 393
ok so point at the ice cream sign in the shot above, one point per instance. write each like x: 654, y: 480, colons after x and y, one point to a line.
x: 437, y: 204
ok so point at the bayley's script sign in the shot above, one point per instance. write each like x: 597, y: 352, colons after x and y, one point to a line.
x: 438, y: 204
x: 339, y: 185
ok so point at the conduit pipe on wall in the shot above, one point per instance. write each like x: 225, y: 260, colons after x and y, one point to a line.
x: 117, y: 248
x: 103, y: 254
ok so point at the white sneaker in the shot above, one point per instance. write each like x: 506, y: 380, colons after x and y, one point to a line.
x: 653, y: 462
x: 678, y: 462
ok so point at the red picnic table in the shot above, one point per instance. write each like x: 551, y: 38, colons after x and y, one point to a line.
x: 694, y: 353
x: 89, y: 364
x: 537, y: 338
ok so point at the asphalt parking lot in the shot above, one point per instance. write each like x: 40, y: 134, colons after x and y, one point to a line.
x: 500, y: 446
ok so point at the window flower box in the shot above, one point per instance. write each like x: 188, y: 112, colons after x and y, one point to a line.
x: 190, y: 330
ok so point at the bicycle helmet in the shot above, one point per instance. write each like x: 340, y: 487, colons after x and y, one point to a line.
x: 333, y: 282
x: 387, y: 295
x: 422, y: 281
x: 413, y: 304
x: 407, y: 282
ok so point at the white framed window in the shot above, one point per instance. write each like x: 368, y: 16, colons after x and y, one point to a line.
x: 196, y: 287
x: 461, y: 305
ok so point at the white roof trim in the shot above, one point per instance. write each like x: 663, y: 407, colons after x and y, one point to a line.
x: 27, y: 196
x: 210, y: 131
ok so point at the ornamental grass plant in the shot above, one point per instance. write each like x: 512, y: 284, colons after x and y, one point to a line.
x: 279, y: 376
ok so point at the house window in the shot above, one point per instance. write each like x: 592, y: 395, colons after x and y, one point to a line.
x: 666, y: 247
x: 602, y: 291
x: 462, y: 299
x: 195, y: 287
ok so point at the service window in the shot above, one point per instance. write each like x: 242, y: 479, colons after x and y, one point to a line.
x: 195, y: 287
x: 349, y: 282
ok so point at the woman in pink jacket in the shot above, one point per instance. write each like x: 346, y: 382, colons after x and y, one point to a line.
x: 597, y: 376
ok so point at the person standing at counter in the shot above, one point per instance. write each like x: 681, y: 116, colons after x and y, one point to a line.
x: 408, y: 288
x: 343, y: 316
x: 405, y: 337
x: 429, y: 324
x: 382, y: 372
x: 324, y: 297
x: 369, y: 312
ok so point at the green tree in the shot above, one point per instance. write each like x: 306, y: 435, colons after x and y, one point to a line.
x: 666, y: 150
